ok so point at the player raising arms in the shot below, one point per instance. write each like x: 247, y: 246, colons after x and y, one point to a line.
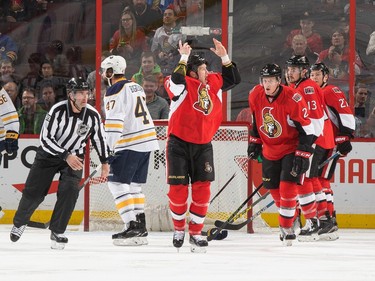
x: 9, y: 127
x: 195, y: 116
x: 131, y: 137
x: 342, y: 117
x: 66, y: 130
x: 283, y: 133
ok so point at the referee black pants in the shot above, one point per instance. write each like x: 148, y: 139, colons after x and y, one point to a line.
x: 37, y: 185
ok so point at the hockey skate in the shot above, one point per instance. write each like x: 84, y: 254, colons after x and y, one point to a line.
x: 141, y: 219
x: 129, y: 237
x: 1, y: 212
x: 16, y: 232
x: 328, y: 229
x: 58, y: 241
x: 309, y: 233
x: 287, y: 236
x: 178, y: 239
x: 198, y: 244
x: 297, y: 225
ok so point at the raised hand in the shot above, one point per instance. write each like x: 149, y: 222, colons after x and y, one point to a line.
x: 219, y: 49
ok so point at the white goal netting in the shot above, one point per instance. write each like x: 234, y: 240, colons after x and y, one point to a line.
x: 230, y: 160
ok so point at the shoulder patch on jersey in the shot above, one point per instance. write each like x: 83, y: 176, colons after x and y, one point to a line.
x: 336, y: 90
x: 309, y: 90
x: 297, y: 97
x: 114, y: 89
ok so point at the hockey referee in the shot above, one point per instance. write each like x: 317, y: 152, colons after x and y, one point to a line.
x: 66, y: 130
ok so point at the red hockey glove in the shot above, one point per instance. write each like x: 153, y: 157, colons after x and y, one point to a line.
x: 301, y: 160
x: 255, y: 148
x: 343, y: 145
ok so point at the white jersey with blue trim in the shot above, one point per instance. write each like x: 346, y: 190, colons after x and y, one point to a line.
x: 128, y: 122
x: 8, y: 115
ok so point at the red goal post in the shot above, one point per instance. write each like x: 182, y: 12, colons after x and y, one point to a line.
x: 230, y: 158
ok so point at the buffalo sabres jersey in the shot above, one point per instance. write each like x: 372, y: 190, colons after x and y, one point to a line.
x: 8, y: 115
x: 128, y: 122
x: 281, y: 122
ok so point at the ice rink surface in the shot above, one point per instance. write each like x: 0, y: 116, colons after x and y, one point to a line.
x: 91, y: 256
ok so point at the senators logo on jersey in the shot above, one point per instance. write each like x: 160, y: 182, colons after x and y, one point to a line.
x: 204, y: 103
x: 270, y: 127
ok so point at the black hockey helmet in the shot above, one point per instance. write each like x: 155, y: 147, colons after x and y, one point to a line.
x: 271, y: 70
x: 194, y: 62
x: 298, y: 60
x: 320, y: 66
x: 75, y: 84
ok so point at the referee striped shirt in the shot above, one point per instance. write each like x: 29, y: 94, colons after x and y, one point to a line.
x: 66, y: 132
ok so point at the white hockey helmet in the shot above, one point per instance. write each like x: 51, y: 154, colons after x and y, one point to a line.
x: 117, y: 63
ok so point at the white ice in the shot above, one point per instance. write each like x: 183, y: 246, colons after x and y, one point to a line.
x: 92, y: 256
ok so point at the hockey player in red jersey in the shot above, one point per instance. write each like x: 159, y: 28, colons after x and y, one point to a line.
x: 343, y: 121
x: 283, y: 133
x: 195, y: 116
x: 310, y: 195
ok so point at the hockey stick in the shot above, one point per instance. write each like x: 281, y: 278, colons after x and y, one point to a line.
x: 89, y: 178
x: 231, y: 226
x: 333, y: 156
x: 223, y: 234
x: 219, y: 223
x: 213, y: 232
x: 225, y: 185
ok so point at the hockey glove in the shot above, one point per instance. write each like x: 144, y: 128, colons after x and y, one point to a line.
x: 255, y: 148
x: 11, y: 142
x: 343, y: 145
x: 301, y: 161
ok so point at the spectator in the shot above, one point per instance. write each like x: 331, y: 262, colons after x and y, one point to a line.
x: 58, y: 83
x: 361, y: 106
x: 147, y: 18
x: 76, y: 68
x: 8, y: 47
x: 338, y: 67
x: 48, y: 97
x: 129, y: 42
x: 31, y: 115
x: 370, y: 125
x: 157, y: 106
x: 23, y: 10
x: 33, y: 76
x: 245, y: 115
x: 91, y: 81
x: 12, y: 89
x: 339, y: 45
x: 165, y: 43
x: 299, y: 47
x: 55, y: 55
x: 150, y: 67
x: 8, y: 72
x: 370, y: 50
x: 314, y: 40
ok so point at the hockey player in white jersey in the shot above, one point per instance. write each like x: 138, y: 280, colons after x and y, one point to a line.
x: 9, y: 127
x: 131, y: 137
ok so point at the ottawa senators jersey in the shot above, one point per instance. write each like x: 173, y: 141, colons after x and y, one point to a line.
x: 197, y: 113
x: 314, y: 99
x: 339, y: 111
x: 279, y: 123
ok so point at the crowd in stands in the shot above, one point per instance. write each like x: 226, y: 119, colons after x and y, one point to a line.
x: 146, y: 34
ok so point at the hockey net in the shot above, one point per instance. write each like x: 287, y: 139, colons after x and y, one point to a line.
x: 230, y: 160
